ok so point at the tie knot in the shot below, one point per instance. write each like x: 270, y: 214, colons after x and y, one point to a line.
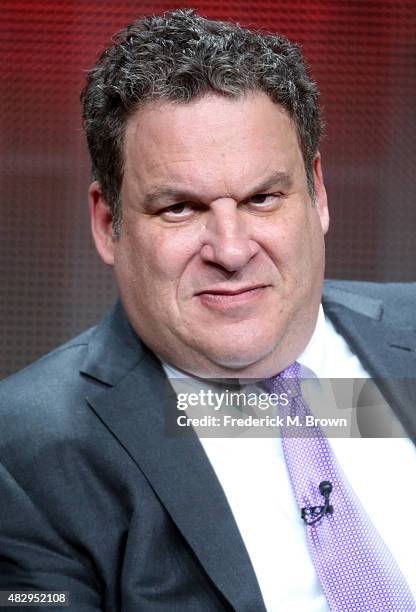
x: 292, y: 371
x: 287, y: 381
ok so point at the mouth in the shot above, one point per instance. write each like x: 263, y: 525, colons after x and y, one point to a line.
x: 228, y: 297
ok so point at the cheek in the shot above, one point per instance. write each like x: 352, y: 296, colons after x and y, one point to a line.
x: 284, y: 241
x: 295, y: 245
x: 172, y: 251
x: 158, y: 254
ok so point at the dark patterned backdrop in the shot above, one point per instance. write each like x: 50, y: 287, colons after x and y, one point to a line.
x: 363, y: 55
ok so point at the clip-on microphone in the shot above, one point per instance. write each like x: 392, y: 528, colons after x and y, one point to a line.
x: 313, y: 514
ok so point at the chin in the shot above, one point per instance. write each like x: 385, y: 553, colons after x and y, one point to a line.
x: 239, y: 355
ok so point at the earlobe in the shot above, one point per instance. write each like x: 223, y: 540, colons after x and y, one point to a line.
x: 101, y: 224
x: 321, y: 200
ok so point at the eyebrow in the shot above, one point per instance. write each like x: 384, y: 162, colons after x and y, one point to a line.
x: 165, y: 192
x: 276, y: 179
x: 168, y: 193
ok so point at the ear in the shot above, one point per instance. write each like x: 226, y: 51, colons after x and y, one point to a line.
x: 101, y: 224
x: 321, y: 201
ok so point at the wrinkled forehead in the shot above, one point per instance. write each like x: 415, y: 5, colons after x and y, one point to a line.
x: 214, y: 136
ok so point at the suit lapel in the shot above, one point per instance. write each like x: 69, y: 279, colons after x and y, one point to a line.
x: 134, y: 407
x: 387, y: 351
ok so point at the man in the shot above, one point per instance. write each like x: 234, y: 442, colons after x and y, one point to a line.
x: 208, y: 200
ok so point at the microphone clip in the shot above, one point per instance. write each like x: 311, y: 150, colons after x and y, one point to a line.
x: 313, y: 514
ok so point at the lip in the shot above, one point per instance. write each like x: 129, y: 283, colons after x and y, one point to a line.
x: 237, y: 291
x: 224, y: 298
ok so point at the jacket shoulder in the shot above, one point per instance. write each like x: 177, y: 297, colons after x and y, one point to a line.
x: 398, y: 299
x: 376, y: 290
x: 59, y: 358
x: 45, y: 389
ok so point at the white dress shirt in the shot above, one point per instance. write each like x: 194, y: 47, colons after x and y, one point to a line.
x: 253, y: 474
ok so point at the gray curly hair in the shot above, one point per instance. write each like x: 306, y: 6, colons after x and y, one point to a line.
x: 178, y: 57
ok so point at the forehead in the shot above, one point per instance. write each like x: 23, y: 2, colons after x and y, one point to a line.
x: 213, y: 137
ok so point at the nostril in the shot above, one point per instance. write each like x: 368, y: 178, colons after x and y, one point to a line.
x: 230, y: 255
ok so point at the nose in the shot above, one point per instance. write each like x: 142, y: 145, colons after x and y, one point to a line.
x: 225, y: 240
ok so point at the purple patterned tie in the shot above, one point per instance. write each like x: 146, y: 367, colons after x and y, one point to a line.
x: 356, y: 569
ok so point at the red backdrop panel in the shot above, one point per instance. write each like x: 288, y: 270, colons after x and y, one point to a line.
x: 363, y: 57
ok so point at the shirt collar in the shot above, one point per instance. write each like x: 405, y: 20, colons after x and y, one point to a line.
x: 312, y: 360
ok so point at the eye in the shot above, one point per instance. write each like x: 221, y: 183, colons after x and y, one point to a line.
x: 264, y: 200
x: 177, y: 212
x: 177, y: 209
x: 260, y: 198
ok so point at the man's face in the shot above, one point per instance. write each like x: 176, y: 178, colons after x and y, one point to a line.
x: 221, y: 255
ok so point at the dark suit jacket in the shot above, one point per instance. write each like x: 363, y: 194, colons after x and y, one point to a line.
x: 96, y: 500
